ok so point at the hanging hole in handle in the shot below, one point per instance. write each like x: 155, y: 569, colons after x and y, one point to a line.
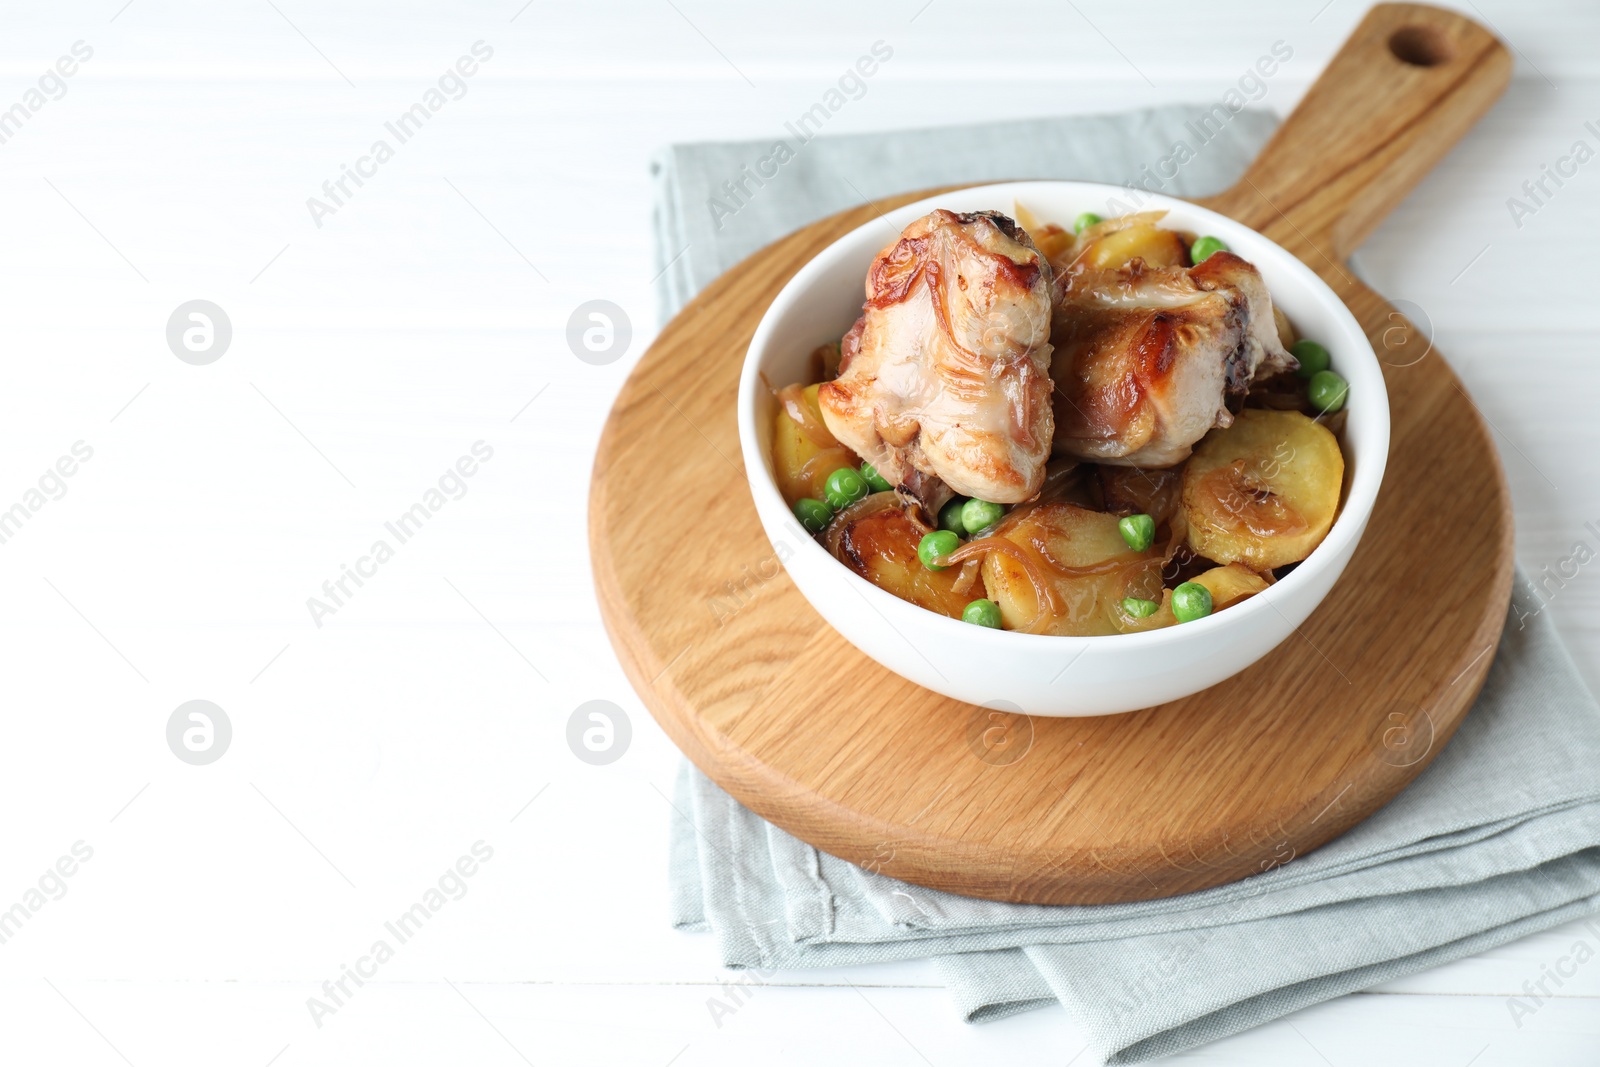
x: 1420, y: 46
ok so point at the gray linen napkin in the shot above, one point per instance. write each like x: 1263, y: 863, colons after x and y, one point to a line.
x: 1500, y: 837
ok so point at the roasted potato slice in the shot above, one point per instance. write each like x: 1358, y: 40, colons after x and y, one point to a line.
x: 1157, y: 247
x: 1231, y: 584
x: 1051, y: 240
x: 1264, y: 491
x: 1286, y: 334
x: 1085, y: 565
x: 881, y: 546
x: 804, y: 456
x: 1227, y: 585
x: 1163, y: 617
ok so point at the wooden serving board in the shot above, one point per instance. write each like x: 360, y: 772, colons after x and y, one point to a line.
x: 777, y: 708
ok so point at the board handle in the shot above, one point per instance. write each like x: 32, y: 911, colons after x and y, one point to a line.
x: 1404, y: 88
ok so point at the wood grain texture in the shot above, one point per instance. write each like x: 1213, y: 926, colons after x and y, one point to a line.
x: 778, y: 709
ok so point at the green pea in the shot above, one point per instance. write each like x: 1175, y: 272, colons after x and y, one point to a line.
x: 1084, y: 221
x: 1312, y: 356
x: 878, y: 482
x: 950, y: 516
x: 1204, y: 247
x: 814, y: 515
x: 980, y: 515
x: 1327, y: 391
x: 1138, y: 530
x: 1191, y: 601
x: 1140, y: 608
x: 982, y: 613
x: 844, y: 487
x: 935, y: 544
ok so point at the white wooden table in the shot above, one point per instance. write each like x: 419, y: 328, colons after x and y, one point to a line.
x: 428, y: 710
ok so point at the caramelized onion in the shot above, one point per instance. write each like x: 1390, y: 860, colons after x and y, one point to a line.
x: 794, y: 403
x: 826, y: 462
x: 1042, y: 591
x: 1041, y: 569
x: 867, y: 505
x: 1105, y: 566
x: 967, y: 578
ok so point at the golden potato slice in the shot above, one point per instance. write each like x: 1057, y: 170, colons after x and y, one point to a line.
x: 804, y: 456
x: 1163, y: 617
x: 1264, y: 491
x: 1227, y: 585
x: 1286, y: 335
x: 882, y: 548
x: 1157, y: 247
x: 1084, y: 564
x: 1231, y: 584
x: 1052, y: 241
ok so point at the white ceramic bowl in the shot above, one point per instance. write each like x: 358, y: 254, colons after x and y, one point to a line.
x: 1036, y: 674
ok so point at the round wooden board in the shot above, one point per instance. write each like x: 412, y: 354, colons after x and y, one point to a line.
x: 778, y: 709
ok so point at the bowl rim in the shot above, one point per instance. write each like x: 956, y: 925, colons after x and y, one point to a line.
x: 1341, y: 538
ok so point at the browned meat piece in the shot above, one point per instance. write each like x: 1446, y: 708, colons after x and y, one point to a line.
x: 1145, y: 356
x: 947, y: 374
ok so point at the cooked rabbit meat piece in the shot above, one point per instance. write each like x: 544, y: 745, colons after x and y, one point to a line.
x: 948, y: 371
x: 1147, y: 356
